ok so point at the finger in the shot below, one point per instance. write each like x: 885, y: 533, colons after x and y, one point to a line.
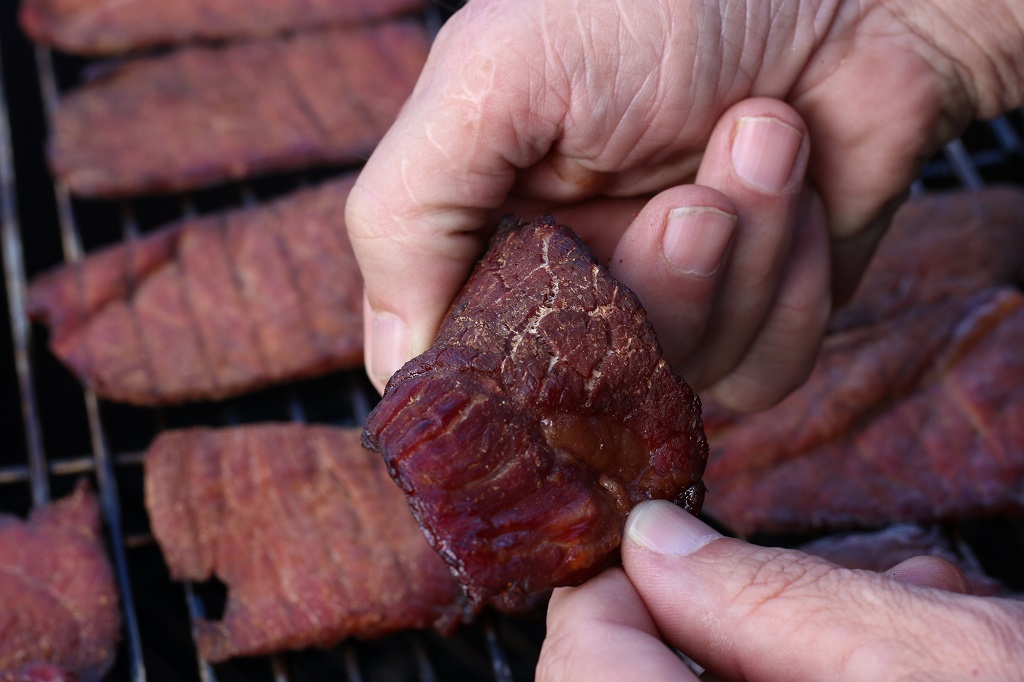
x: 671, y: 256
x: 861, y: 168
x: 416, y: 215
x: 931, y: 571
x: 786, y: 346
x: 851, y: 255
x: 601, y: 631
x: 751, y: 612
x: 756, y: 156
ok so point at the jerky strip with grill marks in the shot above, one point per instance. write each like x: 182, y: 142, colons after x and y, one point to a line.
x: 59, y: 607
x: 214, y: 306
x: 912, y: 411
x: 541, y: 415
x: 202, y: 116
x: 311, y: 536
x: 100, y: 27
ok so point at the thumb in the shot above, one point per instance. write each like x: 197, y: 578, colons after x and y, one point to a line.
x: 757, y: 613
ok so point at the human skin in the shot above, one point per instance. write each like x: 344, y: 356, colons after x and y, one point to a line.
x: 735, y: 164
x: 763, y: 614
x: 738, y: 160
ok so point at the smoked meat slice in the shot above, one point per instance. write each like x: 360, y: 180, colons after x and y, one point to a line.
x: 214, y: 306
x: 100, y: 27
x: 310, y: 535
x: 541, y: 415
x: 59, y: 607
x: 880, y: 550
x: 201, y: 116
x: 913, y: 411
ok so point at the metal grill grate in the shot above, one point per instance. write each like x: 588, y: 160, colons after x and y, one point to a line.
x: 55, y: 432
x: 65, y: 432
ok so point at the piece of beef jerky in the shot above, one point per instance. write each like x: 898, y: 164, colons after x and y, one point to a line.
x: 908, y: 422
x: 882, y: 549
x: 214, y: 306
x: 941, y: 246
x: 310, y: 535
x: 101, y: 27
x: 541, y: 415
x: 59, y: 608
x: 200, y: 116
x: 38, y: 672
x: 913, y: 409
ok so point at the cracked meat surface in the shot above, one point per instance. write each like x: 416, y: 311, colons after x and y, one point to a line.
x: 541, y: 415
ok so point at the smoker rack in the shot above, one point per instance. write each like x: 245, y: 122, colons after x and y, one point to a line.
x: 56, y: 432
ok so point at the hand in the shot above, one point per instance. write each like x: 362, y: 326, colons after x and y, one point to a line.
x: 754, y: 613
x: 605, y: 105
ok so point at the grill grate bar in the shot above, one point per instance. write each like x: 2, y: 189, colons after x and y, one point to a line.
x: 351, y: 659
x: 103, y: 462
x: 1008, y: 138
x: 21, y: 330
x: 499, y: 662
x: 423, y: 666
x: 280, y: 668
x: 958, y: 156
x: 196, y: 611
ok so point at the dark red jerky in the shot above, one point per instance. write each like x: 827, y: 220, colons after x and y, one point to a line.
x: 38, y: 672
x: 939, y: 247
x: 944, y: 442
x: 59, y: 607
x: 540, y: 416
x: 102, y: 27
x: 212, y: 307
x: 312, y: 538
x: 913, y: 409
x: 200, y: 116
x: 880, y: 550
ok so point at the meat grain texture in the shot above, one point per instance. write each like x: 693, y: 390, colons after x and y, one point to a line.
x: 312, y: 538
x: 914, y: 410
x: 103, y: 27
x: 59, y: 607
x: 541, y: 415
x: 214, y: 306
x: 203, y: 115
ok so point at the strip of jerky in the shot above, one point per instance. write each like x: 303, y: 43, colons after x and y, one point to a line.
x: 912, y: 411
x: 214, y: 306
x: 103, y: 27
x: 311, y: 536
x: 202, y: 116
x: 59, y: 607
x: 880, y: 550
x: 541, y: 415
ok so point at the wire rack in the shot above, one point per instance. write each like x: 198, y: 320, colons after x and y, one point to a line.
x: 55, y: 432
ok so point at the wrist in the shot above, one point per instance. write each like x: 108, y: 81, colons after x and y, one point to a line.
x: 984, y: 42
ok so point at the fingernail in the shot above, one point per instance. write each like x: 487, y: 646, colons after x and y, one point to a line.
x: 390, y: 346
x: 696, y: 237
x: 764, y: 150
x: 664, y: 528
